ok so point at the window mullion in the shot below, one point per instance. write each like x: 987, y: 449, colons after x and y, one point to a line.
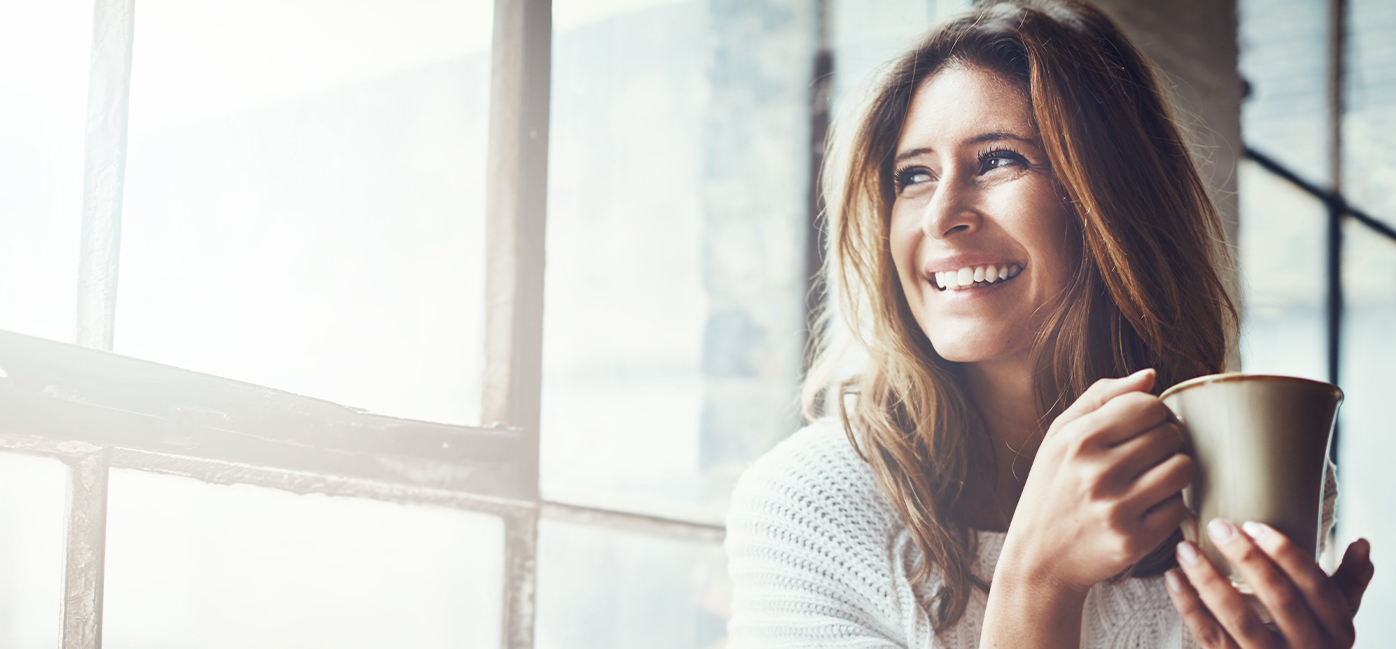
x: 515, y: 212
x: 104, y: 170
x: 86, y: 551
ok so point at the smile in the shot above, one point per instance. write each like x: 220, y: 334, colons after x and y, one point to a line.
x: 975, y: 276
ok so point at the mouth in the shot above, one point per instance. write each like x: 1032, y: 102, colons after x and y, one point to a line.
x: 976, y: 276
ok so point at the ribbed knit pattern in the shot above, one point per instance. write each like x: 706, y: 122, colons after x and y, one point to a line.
x: 820, y: 558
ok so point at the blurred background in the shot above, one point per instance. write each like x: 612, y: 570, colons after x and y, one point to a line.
x: 303, y: 207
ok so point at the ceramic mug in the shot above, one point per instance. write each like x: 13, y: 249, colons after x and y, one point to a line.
x: 1260, y: 444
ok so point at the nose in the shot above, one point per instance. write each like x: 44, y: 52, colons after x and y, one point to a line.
x: 951, y: 209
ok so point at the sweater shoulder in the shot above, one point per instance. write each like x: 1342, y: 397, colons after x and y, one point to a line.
x: 814, y: 549
x: 814, y: 472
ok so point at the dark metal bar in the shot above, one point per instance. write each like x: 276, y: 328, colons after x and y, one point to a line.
x: 104, y: 170
x: 821, y: 88
x: 1337, y: 69
x: 86, y: 552
x: 1274, y: 167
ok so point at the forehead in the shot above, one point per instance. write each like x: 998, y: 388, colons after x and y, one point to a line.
x: 961, y: 101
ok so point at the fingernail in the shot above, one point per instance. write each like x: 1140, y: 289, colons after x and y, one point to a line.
x: 1187, y: 553
x: 1221, y: 530
x: 1255, y: 530
x: 1175, y: 582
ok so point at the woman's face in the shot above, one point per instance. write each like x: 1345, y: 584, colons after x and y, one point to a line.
x: 982, y: 243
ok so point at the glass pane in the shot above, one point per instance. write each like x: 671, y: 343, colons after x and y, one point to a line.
x: 33, y: 516
x: 45, y: 50
x: 600, y: 589
x: 678, y: 213
x: 201, y: 566
x: 1369, y: 125
x: 305, y: 194
x: 1283, y: 236
x: 868, y: 35
x: 1367, y: 506
x: 1284, y: 57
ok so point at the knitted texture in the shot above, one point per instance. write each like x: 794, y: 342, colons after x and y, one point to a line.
x: 820, y: 558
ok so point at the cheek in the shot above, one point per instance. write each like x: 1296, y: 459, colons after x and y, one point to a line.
x: 903, y: 238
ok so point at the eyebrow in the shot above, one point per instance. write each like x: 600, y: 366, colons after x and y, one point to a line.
x: 994, y: 136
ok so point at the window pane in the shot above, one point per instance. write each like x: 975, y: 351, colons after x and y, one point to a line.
x: 1283, y: 56
x: 1283, y: 277
x: 1369, y: 125
x: 201, y: 566
x: 600, y: 589
x: 868, y: 35
x: 45, y: 49
x: 1367, y: 507
x: 677, y: 218
x: 305, y: 194
x: 32, y: 522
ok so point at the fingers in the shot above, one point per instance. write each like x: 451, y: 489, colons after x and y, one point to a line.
x: 1354, y: 573
x: 1327, y: 601
x: 1226, y: 604
x: 1101, y: 392
x: 1146, y: 450
x: 1272, y: 586
x: 1162, y: 483
x: 1125, y: 417
x: 1204, y: 627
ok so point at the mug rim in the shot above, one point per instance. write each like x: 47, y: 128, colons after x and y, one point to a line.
x: 1230, y: 377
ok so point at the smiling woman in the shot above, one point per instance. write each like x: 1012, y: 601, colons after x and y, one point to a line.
x: 975, y: 194
x: 1014, y: 221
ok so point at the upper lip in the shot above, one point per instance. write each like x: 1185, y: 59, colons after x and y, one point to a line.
x: 967, y: 260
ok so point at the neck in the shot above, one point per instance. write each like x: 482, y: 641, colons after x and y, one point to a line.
x: 1004, y: 394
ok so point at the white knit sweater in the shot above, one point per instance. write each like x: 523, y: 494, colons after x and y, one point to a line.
x: 820, y: 558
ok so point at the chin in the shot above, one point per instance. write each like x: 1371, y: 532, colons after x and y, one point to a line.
x: 973, y: 348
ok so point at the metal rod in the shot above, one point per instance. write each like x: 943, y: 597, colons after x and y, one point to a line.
x: 821, y: 88
x: 1274, y: 167
x: 1337, y: 69
x: 104, y: 171
x: 515, y: 212
x: 520, y: 578
x: 86, y: 552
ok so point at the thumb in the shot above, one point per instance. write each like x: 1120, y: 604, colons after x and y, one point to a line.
x: 1102, y: 391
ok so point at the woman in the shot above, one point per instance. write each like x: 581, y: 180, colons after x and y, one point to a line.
x: 1015, y: 219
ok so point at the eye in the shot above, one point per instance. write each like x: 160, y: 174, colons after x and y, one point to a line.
x: 912, y: 176
x: 1000, y: 158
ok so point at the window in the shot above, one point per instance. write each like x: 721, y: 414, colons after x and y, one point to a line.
x: 1317, y: 242
x: 310, y: 404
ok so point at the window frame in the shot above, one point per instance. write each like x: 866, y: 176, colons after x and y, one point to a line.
x: 95, y: 411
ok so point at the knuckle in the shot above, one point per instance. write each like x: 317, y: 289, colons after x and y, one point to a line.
x: 1209, y: 635
x: 1244, y: 624
x: 1245, y: 553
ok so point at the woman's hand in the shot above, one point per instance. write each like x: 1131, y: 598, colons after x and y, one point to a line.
x: 1310, y: 608
x: 1103, y: 492
x: 1104, y: 489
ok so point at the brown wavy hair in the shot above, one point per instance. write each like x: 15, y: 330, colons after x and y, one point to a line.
x: 1147, y: 291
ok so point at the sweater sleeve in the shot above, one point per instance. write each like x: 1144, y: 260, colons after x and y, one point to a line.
x: 812, y: 547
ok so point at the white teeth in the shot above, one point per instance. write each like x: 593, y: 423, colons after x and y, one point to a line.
x: 968, y: 276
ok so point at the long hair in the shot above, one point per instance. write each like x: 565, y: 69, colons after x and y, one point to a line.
x: 1146, y: 293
